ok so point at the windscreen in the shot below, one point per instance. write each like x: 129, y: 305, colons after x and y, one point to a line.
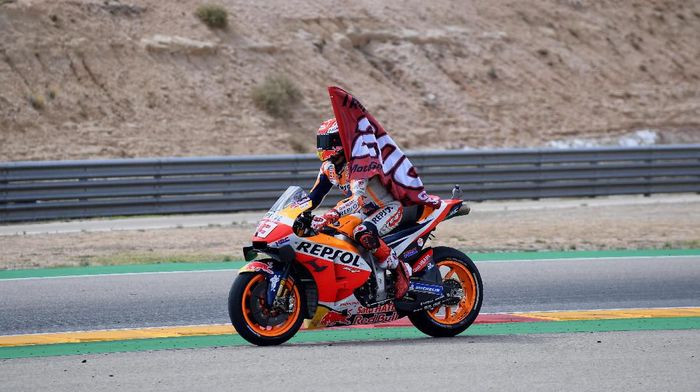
x: 293, y: 195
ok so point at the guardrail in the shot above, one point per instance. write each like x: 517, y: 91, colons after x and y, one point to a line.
x: 80, y: 189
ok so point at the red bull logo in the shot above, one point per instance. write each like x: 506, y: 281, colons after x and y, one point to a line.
x: 333, y: 318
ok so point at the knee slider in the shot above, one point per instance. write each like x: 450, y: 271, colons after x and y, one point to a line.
x: 367, y: 235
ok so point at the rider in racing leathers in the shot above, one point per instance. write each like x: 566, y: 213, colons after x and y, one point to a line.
x: 367, y: 198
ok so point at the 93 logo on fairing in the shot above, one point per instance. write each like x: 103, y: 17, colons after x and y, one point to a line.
x: 265, y: 228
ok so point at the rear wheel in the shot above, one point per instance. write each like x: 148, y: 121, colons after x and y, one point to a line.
x: 458, y: 274
x: 254, y: 320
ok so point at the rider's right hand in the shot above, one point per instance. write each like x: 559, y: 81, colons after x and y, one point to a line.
x: 328, y: 218
x: 318, y: 222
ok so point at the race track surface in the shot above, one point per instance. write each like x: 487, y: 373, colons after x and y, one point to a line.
x: 629, y: 353
x: 194, y: 298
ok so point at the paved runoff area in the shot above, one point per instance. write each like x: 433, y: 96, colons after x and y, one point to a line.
x: 648, y: 360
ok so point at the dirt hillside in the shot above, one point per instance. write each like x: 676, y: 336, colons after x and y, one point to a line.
x: 108, y: 79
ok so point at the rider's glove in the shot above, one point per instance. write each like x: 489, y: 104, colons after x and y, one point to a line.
x: 328, y: 218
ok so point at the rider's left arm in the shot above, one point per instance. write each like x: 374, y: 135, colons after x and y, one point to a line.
x: 347, y: 206
x: 320, y: 189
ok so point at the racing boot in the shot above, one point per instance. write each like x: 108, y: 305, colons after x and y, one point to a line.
x: 402, y: 279
x: 386, y: 259
x: 402, y: 271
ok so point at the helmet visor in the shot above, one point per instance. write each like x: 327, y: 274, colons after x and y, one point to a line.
x: 328, y: 141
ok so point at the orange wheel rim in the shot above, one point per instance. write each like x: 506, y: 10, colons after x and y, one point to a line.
x: 453, y: 314
x: 273, y: 330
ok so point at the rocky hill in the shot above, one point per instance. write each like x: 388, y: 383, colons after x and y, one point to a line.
x: 105, y: 79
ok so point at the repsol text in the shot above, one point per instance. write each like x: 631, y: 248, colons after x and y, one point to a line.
x: 328, y: 253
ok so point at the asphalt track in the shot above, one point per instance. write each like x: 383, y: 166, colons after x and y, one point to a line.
x: 199, y: 297
x: 608, y: 354
x: 611, y: 361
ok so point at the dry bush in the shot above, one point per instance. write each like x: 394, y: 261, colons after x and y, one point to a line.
x: 214, y: 16
x: 276, y: 95
x: 37, y: 101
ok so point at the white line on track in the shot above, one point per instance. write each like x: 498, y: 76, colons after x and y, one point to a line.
x: 612, y: 258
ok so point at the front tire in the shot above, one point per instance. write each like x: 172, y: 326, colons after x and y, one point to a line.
x: 450, y: 320
x: 254, y: 320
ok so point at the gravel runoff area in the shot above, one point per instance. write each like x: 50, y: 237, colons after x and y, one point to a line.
x: 620, y: 222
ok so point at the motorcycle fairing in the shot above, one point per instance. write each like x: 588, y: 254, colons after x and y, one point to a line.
x: 348, y: 312
x: 336, y: 265
x: 425, y: 224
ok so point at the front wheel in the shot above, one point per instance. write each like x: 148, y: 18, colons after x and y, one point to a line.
x: 254, y: 320
x: 458, y: 271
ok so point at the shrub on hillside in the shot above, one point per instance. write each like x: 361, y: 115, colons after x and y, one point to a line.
x: 276, y: 95
x: 37, y: 101
x: 214, y: 16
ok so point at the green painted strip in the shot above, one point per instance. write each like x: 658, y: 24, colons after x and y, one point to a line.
x: 183, y: 267
x: 357, y: 334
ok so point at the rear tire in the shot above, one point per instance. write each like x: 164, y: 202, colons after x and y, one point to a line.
x: 441, y: 321
x: 253, y: 320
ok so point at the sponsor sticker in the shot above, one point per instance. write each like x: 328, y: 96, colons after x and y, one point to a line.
x: 274, y: 280
x: 338, y: 256
x: 410, y: 253
x: 265, y: 228
x: 423, y: 261
x: 257, y: 266
x: 426, y: 288
x: 283, y: 241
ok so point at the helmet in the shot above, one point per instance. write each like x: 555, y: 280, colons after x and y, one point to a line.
x: 328, y: 143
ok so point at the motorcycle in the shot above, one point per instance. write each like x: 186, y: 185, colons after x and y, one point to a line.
x: 330, y: 280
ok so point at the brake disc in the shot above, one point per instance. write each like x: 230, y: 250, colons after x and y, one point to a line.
x: 261, y: 313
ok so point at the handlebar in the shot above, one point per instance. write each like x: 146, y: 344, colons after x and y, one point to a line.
x: 302, y: 226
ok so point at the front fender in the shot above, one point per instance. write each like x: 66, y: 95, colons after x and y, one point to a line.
x: 276, y: 272
x: 272, y: 276
x: 257, y: 266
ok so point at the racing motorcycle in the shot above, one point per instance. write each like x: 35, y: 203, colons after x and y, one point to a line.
x: 330, y: 280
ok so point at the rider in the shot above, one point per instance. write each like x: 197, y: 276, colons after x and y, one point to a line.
x: 367, y: 198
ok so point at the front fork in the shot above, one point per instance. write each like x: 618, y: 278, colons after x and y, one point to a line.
x: 276, y: 275
x: 276, y: 272
x: 277, y: 290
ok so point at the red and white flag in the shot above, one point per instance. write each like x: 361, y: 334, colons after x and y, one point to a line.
x: 371, y: 152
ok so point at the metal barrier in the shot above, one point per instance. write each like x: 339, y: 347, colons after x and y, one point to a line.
x: 80, y: 189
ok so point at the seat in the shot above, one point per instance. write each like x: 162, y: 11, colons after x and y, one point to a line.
x: 407, y: 225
